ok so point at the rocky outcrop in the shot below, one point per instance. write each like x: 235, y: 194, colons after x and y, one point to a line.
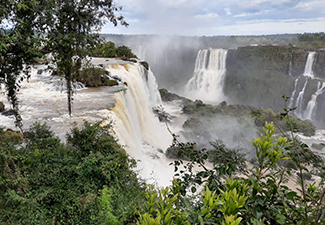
x: 319, y: 67
x: 196, y: 110
x: 145, y: 64
x: 2, y: 107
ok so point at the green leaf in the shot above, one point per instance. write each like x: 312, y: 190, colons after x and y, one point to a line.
x: 281, y: 219
x: 291, y: 195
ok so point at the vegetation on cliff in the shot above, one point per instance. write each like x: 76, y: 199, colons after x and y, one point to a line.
x: 312, y: 41
x: 94, y: 77
x: 197, y: 109
x: 109, y: 50
x: 251, y: 70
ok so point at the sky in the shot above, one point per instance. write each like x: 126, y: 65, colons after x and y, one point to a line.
x: 220, y: 17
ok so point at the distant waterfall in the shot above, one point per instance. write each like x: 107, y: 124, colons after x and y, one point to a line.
x: 290, y: 67
x: 310, y: 112
x: 310, y: 65
x: 293, y: 94
x: 299, y: 102
x: 208, y: 78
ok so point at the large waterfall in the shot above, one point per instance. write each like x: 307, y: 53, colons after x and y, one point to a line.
x: 208, y: 77
x: 135, y: 124
x: 127, y: 106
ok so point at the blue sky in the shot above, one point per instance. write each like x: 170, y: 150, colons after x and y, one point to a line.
x: 220, y: 17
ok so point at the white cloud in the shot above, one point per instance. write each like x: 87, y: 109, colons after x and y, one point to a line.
x: 228, y: 11
x: 248, y: 14
x: 311, y: 6
x: 207, y: 16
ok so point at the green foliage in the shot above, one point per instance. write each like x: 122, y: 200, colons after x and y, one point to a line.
x: 106, y: 208
x: 71, y: 38
x: 161, y: 209
x: 312, y: 40
x: 124, y: 51
x: 86, y: 181
x: 109, y: 50
x: 70, y: 27
x: 242, y: 113
x: 19, y: 45
x: 94, y: 77
x: 260, y: 196
x: 167, y: 206
x: 226, y: 160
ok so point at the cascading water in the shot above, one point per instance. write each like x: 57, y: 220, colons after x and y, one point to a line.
x: 293, y: 94
x: 310, y: 65
x: 133, y: 121
x: 135, y: 124
x: 290, y: 67
x: 208, y: 78
x: 310, y: 112
x: 299, y: 102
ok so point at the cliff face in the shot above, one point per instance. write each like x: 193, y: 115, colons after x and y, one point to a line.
x: 319, y: 68
x: 258, y: 76
x: 261, y: 75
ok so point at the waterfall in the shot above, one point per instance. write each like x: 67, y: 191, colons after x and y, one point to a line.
x: 135, y: 124
x: 208, y: 77
x: 299, y: 102
x: 310, y: 65
x: 293, y: 94
x: 290, y: 67
x: 127, y: 106
x: 310, y: 112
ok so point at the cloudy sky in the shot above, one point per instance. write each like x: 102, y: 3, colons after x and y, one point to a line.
x: 220, y: 17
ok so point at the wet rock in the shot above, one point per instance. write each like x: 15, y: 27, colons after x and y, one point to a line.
x: 2, y: 107
x: 319, y: 146
x: 145, y: 64
x: 9, y: 112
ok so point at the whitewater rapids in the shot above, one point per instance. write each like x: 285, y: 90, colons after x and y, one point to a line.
x: 127, y: 106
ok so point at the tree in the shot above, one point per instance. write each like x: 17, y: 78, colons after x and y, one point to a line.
x: 124, y: 51
x: 259, y: 197
x: 70, y: 26
x: 72, y: 30
x: 109, y: 49
x: 19, y: 45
